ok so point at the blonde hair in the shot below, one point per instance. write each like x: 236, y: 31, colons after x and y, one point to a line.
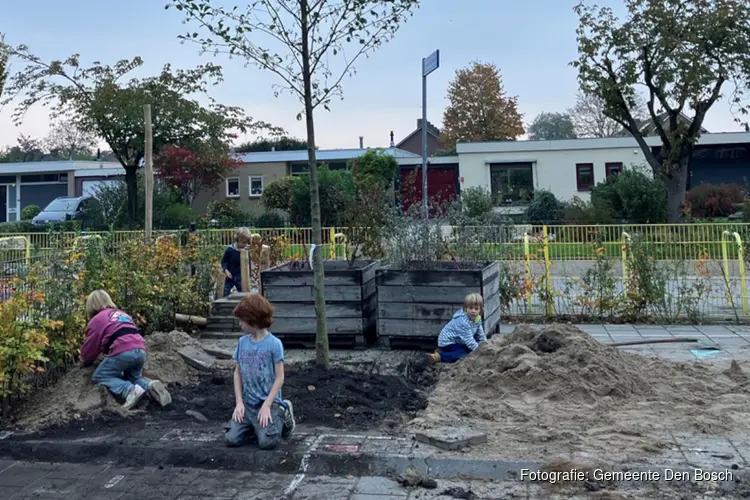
x: 474, y: 299
x: 97, y: 301
x: 242, y: 234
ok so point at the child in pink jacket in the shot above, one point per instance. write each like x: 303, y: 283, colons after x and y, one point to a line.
x: 113, y: 333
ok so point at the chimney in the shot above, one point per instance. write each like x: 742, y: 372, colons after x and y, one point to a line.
x: 393, y: 144
x: 273, y: 149
x: 361, y: 142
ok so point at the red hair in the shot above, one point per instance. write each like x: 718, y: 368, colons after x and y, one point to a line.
x: 255, y: 310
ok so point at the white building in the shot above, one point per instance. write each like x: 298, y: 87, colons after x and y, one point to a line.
x: 512, y: 170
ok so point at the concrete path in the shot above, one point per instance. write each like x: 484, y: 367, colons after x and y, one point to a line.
x: 25, y: 480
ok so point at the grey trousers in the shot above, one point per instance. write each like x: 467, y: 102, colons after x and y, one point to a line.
x: 268, y: 438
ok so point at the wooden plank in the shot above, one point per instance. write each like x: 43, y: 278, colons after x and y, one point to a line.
x: 368, y: 272
x: 490, y: 288
x: 370, y: 306
x: 307, y: 310
x: 290, y: 326
x: 491, y: 304
x: 424, y: 294
x: 369, y: 289
x: 305, y: 278
x: 492, y: 271
x: 449, y: 278
x: 399, y: 310
x: 491, y: 321
x: 409, y: 328
x: 304, y: 293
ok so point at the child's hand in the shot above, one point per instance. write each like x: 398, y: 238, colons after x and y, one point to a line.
x: 264, y: 416
x: 239, y: 413
x: 228, y: 274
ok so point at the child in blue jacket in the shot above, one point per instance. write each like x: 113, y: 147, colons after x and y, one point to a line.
x: 231, y: 262
x: 462, y: 334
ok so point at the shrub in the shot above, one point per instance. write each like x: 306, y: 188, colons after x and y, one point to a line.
x: 113, y: 199
x: 270, y: 219
x: 19, y: 227
x: 476, y: 201
x: 29, y: 212
x: 176, y: 216
x: 578, y: 211
x: 631, y: 196
x: 711, y: 200
x: 544, y: 208
x: 375, y: 167
x: 228, y: 213
x: 336, y: 190
x: 278, y: 194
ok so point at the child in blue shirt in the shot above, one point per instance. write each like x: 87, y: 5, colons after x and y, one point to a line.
x: 258, y: 377
x: 231, y: 262
x: 462, y: 334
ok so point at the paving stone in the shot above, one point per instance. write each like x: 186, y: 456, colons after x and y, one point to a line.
x: 367, y: 496
x: 154, y: 492
x: 207, y: 485
x: 379, y: 486
x: 51, y: 488
x: 196, y: 358
x: 449, y: 438
x: 21, y: 475
x: 323, y: 490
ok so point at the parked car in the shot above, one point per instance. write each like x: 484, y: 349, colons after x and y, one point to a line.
x: 83, y: 208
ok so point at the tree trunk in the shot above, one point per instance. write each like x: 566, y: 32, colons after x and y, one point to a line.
x: 131, y: 181
x: 321, y: 330
x: 676, y: 185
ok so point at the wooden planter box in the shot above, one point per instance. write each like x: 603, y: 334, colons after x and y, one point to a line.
x: 351, y: 300
x: 413, y: 306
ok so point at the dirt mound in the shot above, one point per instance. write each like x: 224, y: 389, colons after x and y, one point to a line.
x: 553, y: 390
x: 163, y: 362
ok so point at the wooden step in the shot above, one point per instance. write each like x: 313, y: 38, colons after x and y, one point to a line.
x: 222, y: 323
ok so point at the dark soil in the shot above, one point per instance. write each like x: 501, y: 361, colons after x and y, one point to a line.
x: 337, y: 398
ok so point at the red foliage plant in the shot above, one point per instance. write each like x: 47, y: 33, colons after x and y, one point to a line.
x: 711, y: 200
x: 191, y: 171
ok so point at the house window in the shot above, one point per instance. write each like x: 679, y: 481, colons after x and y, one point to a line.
x: 511, y: 183
x: 612, y: 168
x: 256, y: 186
x: 233, y: 187
x: 585, y: 176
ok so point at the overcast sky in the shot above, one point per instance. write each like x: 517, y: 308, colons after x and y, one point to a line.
x: 531, y: 42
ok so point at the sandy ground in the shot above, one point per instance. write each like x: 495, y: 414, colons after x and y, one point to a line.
x: 554, y: 391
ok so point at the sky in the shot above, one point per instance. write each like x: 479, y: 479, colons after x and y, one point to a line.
x: 532, y: 44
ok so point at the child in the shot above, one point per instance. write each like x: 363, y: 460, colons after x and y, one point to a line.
x: 463, y: 333
x: 231, y: 262
x: 112, y: 332
x: 258, y: 377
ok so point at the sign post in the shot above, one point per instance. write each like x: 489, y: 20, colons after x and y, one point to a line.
x: 429, y: 64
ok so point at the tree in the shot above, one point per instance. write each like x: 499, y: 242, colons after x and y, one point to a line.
x: 552, y: 126
x: 590, y: 121
x: 3, y: 64
x: 683, y: 53
x: 97, y: 99
x: 281, y: 144
x: 28, y: 149
x: 66, y: 141
x: 479, y: 110
x: 303, y: 37
x: 190, y: 172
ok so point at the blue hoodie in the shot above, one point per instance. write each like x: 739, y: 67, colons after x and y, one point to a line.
x: 232, y: 262
x: 461, y: 330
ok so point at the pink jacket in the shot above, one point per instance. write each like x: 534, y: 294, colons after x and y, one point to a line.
x: 100, y: 332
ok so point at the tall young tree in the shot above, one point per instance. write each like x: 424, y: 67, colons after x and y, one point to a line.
x: 479, y: 109
x: 299, y: 40
x: 66, y: 141
x: 552, y: 126
x: 4, y: 55
x: 97, y: 98
x: 683, y: 53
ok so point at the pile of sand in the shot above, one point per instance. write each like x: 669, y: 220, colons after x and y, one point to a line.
x: 74, y: 396
x: 542, y: 391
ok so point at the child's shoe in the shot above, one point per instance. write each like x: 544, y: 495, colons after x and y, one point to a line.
x: 289, y: 423
x: 135, y: 395
x: 158, y: 391
x: 433, y: 357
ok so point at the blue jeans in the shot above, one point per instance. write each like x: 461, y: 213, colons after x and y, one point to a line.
x: 268, y: 437
x: 120, y: 372
x: 230, y: 283
x: 453, y: 352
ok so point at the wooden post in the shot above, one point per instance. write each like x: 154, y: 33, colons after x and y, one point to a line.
x: 149, y: 172
x: 245, y: 270
x: 220, y: 277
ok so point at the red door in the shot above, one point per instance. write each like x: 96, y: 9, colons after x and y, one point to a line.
x: 441, y: 185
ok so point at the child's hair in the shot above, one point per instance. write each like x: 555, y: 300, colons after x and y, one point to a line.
x: 474, y: 299
x: 255, y: 310
x: 242, y: 235
x: 97, y: 301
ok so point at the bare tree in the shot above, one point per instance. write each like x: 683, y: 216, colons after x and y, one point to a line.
x: 66, y: 141
x: 299, y: 40
x: 591, y: 121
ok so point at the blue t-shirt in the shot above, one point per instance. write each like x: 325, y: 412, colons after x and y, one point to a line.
x: 257, y: 362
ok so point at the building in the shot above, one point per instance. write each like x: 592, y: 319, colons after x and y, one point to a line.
x: 413, y: 142
x: 38, y: 183
x: 513, y: 170
x: 246, y: 183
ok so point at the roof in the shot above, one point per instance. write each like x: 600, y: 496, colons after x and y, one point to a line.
x: 592, y: 143
x: 647, y: 125
x: 37, y: 167
x: 432, y: 160
x: 431, y: 129
x: 321, y: 155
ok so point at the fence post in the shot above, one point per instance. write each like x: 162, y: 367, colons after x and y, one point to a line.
x: 245, y: 270
x: 527, y: 265
x: 725, y: 262
x: 332, y: 243
x: 548, y: 269
x: 741, y: 264
x: 624, y: 257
